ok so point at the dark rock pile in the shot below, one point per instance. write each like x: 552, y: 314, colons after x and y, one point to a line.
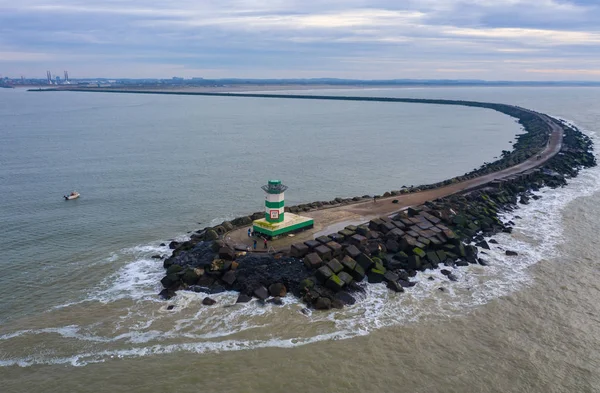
x: 331, y: 271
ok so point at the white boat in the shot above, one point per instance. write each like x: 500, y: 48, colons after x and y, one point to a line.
x: 73, y: 195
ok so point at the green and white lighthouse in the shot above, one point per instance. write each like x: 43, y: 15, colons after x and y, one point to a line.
x: 274, y: 201
x: 277, y: 222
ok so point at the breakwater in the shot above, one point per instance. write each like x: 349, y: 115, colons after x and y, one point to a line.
x: 447, y: 233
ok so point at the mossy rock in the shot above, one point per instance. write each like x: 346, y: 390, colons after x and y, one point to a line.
x: 335, y: 283
x: 358, y: 274
x: 348, y: 263
x: 190, y: 277
x: 211, y: 235
x: 174, y: 269
x: 170, y: 280
x: 419, y: 252
x: 375, y: 276
x: 306, y: 285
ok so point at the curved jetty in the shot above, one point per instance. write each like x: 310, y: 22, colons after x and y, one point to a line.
x: 437, y: 226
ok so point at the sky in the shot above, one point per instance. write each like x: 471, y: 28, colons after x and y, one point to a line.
x: 379, y: 39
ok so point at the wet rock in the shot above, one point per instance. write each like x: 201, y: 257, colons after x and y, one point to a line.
x: 276, y: 300
x: 226, y: 253
x: 323, y: 303
x: 345, y: 298
x: 323, y: 274
x: 162, y: 245
x: 313, y: 261
x: 335, y: 266
x: 173, y: 245
x: 335, y: 283
x: 375, y: 276
x: 305, y: 311
x: 390, y: 276
x: 208, y: 301
x: 170, y: 307
x: 483, y: 244
x: 166, y: 294
x: 345, y: 277
x: 395, y: 286
x: 452, y: 277
x: 156, y: 256
x: 352, y: 251
x: 277, y: 290
x: 445, y: 272
x: 511, y: 253
x: 243, y: 298
x: 229, y: 277
x: 493, y: 241
x: 261, y: 293
x: 337, y: 304
x: 324, y: 252
x: 483, y: 262
x: 364, y: 261
x: 299, y: 250
x: 211, y: 235
x: 406, y: 284
x: 306, y: 284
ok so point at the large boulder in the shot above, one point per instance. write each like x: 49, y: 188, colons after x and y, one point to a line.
x: 322, y: 303
x: 323, y: 274
x: 211, y: 234
x: 243, y: 298
x: 345, y: 298
x: 208, y: 301
x: 348, y: 263
x: 324, y: 252
x: 242, y: 221
x: 261, y: 293
x: 364, y: 261
x: 336, y: 248
x: 335, y: 283
x: 375, y: 276
x: 277, y: 290
x: 345, y: 277
x: 352, y: 251
x: 358, y: 274
x: 335, y: 266
x: 299, y: 250
x: 190, y: 276
x: 395, y: 286
x: 229, y: 277
x: 313, y: 261
x: 226, y: 253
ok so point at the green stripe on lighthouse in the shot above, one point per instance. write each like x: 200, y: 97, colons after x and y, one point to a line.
x: 274, y: 205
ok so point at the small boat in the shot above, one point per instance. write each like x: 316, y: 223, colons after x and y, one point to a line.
x: 73, y: 195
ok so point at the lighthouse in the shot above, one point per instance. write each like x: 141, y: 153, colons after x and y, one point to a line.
x: 274, y: 201
x: 277, y: 222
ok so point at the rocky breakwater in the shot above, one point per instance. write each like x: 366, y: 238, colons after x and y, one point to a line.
x: 332, y: 271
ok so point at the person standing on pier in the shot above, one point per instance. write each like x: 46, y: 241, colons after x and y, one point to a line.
x: 249, y: 232
x: 254, y: 244
x: 265, y: 241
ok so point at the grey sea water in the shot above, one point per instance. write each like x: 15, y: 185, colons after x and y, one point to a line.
x: 78, y: 284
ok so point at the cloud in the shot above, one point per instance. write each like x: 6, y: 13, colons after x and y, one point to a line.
x: 272, y: 38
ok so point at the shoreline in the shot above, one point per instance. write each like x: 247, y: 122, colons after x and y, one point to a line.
x: 409, y: 230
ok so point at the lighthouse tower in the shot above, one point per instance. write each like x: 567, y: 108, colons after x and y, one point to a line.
x: 276, y: 222
x: 274, y: 201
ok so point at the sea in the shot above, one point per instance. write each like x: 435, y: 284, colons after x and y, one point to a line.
x: 79, y: 310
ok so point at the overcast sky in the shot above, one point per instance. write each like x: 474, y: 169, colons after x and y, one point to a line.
x: 377, y: 39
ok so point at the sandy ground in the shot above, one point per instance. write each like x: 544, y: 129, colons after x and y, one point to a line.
x: 333, y: 219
